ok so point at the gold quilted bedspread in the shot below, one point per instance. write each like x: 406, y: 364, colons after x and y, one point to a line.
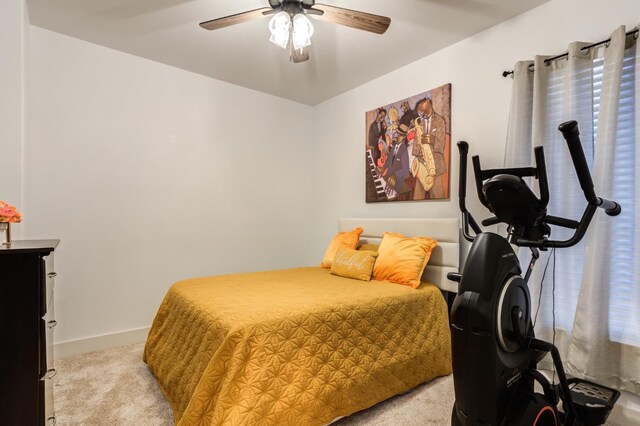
x: 293, y: 347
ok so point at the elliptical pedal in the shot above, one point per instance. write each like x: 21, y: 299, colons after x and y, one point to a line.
x: 593, y: 402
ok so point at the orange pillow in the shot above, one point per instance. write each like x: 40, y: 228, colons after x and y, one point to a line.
x: 341, y: 240
x: 357, y: 264
x: 402, y: 259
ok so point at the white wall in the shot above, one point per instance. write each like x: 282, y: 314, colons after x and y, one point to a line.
x: 480, y: 103
x: 13, y: 24
x: 150, y: 174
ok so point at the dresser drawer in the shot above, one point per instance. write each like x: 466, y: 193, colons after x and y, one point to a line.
x: 47, y: 326
x: 49, y: 281
x: 46, y: 401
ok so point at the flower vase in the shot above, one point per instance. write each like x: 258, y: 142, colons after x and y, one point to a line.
x: 6, y: 227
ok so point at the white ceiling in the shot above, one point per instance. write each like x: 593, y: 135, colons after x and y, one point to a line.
x: 342, y: 58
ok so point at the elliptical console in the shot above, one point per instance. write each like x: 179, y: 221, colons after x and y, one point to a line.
x: 495, y: 352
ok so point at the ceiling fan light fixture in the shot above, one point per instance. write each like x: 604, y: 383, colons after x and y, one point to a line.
x: 302, y: 31
x: 290, y: 27
x: 280, y: 26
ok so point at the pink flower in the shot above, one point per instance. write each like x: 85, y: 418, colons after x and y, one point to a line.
x: 8, y: 213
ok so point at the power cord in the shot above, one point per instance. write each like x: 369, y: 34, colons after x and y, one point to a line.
x: 553, y: 308
x: 544, y: 274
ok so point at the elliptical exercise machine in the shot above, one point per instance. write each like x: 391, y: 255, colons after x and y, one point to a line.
x: 495, y: 352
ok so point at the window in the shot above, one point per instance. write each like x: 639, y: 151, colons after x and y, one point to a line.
x: 567, y: 200
x: 624, y: 290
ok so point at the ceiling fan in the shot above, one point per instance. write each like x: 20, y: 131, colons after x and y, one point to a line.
x: 290, y: 26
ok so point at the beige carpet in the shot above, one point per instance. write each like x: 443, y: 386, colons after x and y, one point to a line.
x: 114, y: 387
x: 110, y: 387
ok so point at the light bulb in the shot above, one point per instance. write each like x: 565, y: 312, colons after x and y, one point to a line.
x: 302, y: 31
x: 279, y: 26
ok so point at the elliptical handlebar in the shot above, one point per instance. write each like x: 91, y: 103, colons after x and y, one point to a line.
x: 467, y: 219
x: 611, y: 207
x: 541, y: 173
x: 463, y: 148
x: 571, y: 134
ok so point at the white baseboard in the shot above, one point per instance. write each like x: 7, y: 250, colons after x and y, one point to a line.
x: 96, y: 343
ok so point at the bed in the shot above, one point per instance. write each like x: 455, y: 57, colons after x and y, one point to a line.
x: 302, y: 346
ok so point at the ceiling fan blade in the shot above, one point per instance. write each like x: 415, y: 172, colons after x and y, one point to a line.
x: 238, y: 18
x: 296, y: 55
x: 353, y: 18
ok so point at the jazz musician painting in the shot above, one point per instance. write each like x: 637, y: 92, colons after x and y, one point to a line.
x: 408, y: 148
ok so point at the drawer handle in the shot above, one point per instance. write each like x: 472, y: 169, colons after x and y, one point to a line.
x: 52, y: 323
x: 51, y: 372
x: 52, y: 274
x: 50, y: 419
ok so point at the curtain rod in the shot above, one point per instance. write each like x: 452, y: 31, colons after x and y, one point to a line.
x: 633, y: 33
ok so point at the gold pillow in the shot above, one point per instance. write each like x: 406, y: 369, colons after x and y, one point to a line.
x: 402, y: 259
x: 356, y: 264
x: 341, y: 240
x: 369, y: 247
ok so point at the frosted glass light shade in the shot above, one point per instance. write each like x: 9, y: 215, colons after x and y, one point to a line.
x: 302, y: 31
x: 279, y: 26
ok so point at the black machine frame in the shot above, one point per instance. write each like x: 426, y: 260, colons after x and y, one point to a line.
x: 495, y: 352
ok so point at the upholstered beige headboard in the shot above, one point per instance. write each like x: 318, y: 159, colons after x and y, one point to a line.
x: 445, y: 257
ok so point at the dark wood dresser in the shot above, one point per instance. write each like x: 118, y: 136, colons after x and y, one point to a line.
x: 26, y: 333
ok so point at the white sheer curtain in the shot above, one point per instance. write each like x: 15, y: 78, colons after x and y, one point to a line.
x: 597, y: 288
